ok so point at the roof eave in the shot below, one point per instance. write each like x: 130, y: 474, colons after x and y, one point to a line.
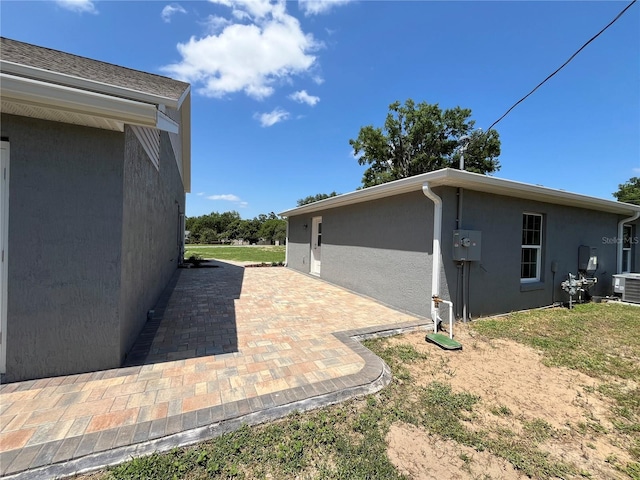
x: 66, y: 99
x: 89, y: 85
x: 472, y: 181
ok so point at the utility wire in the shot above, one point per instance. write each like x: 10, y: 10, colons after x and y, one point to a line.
x: 564, y: 64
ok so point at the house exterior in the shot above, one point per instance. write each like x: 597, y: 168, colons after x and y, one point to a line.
x: 95, y: 166
x: 489, y: 245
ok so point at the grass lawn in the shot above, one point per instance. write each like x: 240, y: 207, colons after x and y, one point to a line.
x: 348, y: 441
x: 254, y: 253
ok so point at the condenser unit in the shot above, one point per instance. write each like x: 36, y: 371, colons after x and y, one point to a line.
x: 628, y: 286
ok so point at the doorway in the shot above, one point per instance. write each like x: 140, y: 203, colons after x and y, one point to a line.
x: 316, y: 245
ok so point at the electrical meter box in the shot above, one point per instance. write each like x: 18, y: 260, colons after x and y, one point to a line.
x: 467, y: 245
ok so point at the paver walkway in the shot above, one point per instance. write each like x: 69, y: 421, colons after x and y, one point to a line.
x: 226, y: 346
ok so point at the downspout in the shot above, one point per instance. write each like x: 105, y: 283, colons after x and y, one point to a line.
x: 436, y: 263
x: 620, y: 241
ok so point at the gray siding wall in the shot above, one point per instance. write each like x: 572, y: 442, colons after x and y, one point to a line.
x: 495, y: 285
x: 153, y: 199
x: 382, y: 249
x: 65, y: 230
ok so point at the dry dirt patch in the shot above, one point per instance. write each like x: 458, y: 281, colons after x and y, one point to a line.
x: 515, y: 389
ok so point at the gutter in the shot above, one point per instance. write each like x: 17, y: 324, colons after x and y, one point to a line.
x: 90, y: 85
x: 620, y: 240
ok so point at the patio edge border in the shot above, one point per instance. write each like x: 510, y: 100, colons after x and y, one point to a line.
x: 374, y: 376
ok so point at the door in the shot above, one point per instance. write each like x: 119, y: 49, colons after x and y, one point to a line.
x: 316, y: 244
x: 4, y: 240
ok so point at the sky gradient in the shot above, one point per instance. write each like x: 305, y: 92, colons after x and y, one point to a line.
x: 280, y: 88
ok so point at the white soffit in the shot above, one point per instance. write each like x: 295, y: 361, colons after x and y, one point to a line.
x: 44, y: 113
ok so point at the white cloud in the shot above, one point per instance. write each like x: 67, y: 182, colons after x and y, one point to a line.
x: 271, y: 118
x: 216, y: 24
x: 228, y: 197
x: 636, y: 170
x: 170, y: 10
x: 316, y: 7
x: 250, y: 57
x: 200, y: 194
x: 80, y: 6
x: 303, y: 97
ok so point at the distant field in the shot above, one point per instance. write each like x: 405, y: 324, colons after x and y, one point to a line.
x: 255, y: 253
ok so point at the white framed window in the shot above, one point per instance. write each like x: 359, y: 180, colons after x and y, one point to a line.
x: 627, y: 235
x: 531, y: 257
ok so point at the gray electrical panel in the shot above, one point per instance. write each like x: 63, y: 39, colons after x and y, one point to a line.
x: 467, y: 245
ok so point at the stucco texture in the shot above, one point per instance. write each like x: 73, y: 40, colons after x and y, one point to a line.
x: 87, y: 254
x: 383, y: 249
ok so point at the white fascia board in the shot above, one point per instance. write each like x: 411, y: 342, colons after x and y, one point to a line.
x: 185, y: 133
x: 84, y: 84
x: 472, y: 181
x: 165, y: 123
x: 511, y: 188
x: 34, y: 92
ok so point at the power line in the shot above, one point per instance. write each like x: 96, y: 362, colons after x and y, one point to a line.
x: 563, y: 65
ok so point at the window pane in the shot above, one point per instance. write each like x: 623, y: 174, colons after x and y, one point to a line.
x: 531, y: 229
x: 626, y: 237
x: 529, y: 263
x: 626, y: 261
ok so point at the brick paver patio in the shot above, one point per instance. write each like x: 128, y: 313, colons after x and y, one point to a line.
x: 226, y: 346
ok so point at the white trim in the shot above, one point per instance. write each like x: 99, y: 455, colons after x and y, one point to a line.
x: 627, y: 268
x: 620, y: 232
x: 537, y: 248
x: 470, y: 181
x: 165, y: 123
x: 85, y: 84
x: 316, y: 232
x: 4, y: 232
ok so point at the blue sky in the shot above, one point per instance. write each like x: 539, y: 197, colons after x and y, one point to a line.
x: 280, y: 88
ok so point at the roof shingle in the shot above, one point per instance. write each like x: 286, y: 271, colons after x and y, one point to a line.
x: 89, y: 69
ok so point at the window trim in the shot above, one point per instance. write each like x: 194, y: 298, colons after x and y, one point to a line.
x: 626, y: 268
x: 537, y: 248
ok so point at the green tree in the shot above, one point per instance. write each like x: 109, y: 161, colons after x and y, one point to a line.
x: 420, y: 138
x: 273, y: 229
x: 629, y: 192
x: 316, y: 198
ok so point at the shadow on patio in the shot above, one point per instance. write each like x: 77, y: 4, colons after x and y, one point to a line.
x: 194, y: 317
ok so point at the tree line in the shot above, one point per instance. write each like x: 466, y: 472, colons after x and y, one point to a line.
x: 421, y: 137
x: 227, y: 227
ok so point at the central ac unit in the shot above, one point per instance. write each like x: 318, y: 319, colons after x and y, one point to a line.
x: 628, y: 286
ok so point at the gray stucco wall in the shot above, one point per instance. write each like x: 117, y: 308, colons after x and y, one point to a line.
x: 382, y: 249
x: 495, y: 281
x: 153, y: 199
x: 64, y: 248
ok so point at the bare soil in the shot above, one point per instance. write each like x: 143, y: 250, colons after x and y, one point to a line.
x: 515, y: 388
